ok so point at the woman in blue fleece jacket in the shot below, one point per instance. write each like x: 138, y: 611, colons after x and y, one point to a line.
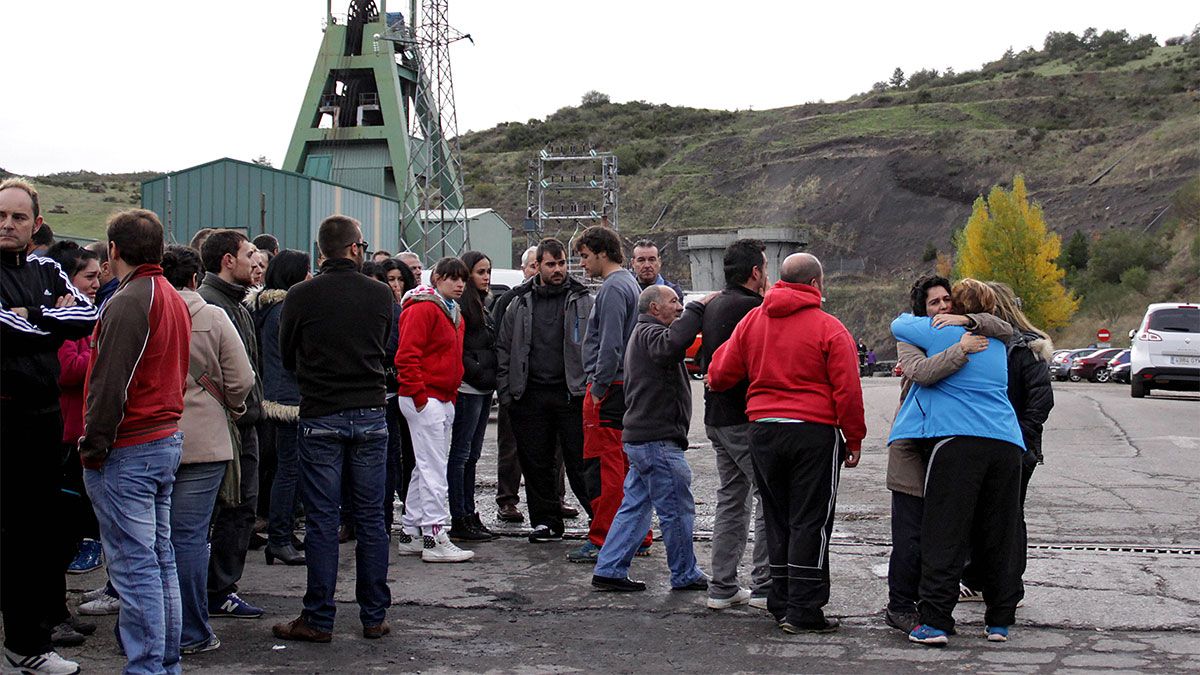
x: 973, y: 479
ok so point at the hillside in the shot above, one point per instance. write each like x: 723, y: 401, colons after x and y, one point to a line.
x: 884, y: 174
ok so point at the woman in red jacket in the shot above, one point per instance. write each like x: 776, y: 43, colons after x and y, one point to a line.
x: 80, y: 533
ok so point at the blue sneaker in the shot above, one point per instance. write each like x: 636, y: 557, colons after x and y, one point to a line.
x: 233, y: 607
x: 928, y: 635
x: 996, y: 633
x: 89, y: 557
x: 643, y: 551
x: 586, y: 553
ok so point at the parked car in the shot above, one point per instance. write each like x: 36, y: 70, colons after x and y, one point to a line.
x: 1166, y: 349
x: 1060, y: 365
x: 1088, y: 367
x: 1118, y: 367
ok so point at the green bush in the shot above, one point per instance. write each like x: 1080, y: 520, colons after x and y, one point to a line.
x: 1120, y: 250
x: 1136, y: 278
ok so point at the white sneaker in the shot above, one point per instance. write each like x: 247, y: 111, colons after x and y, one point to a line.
x: 408, y: 544
x: 50, y: 663
x: 101, y: 606
x: 742, y: 597
x: 94, y: 593
x: 759, y: 602
x: 439, y: 549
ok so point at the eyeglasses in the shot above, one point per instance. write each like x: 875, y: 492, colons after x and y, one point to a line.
x: 365, y: 246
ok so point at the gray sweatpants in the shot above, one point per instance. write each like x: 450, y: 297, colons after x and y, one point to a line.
x: 736, y: 497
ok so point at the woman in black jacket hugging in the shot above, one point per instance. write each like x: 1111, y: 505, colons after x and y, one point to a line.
x: 474, y: 401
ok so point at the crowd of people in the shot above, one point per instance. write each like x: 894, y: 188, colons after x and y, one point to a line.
x: 170, y: 405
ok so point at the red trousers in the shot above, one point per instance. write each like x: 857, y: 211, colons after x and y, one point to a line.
x: 604, y: 459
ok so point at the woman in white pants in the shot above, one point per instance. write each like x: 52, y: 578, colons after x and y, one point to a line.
x: 429, y: 370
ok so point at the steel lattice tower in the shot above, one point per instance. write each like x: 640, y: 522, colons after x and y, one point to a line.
x: 438, y: 226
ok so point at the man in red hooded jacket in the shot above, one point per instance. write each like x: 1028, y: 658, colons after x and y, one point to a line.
x: 806, y: 408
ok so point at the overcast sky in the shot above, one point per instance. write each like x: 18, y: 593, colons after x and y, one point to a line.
x: 129, y: 85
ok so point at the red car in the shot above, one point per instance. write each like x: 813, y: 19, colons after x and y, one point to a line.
x: 690, y: 362
x: 1086, y: 367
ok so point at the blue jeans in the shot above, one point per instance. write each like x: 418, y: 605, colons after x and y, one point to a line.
x: 282, y: 515
x: 192, y: 503
x: 659, y: 478
x: 131, y: 494
x: 466, y: 443
x: 360, y: 434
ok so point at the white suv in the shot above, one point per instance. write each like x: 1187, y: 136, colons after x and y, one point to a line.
x: 1165, y: 350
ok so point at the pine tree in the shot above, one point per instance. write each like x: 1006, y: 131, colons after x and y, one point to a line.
x: 1006, y: 240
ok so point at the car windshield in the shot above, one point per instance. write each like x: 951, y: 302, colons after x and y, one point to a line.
x: 1106, y: 354
x: 1123, y: 357
x: 1081, y: 353
x: 1176, y: 320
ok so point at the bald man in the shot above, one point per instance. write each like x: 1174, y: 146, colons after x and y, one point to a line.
x: 805, y: 406
x: 658, y: 413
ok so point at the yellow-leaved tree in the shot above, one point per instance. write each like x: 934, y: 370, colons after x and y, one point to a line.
x: 1006, y: 240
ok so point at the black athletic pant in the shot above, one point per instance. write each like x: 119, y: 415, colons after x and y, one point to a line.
x: 232, y: 527
x: 543, y: 420
x: 904, y: 566
x: 796, y: 466
x: 972, y: 507
x: 32, y: 583
x: 975, y: 577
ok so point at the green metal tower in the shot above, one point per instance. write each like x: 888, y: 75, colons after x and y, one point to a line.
x: 373, y: 119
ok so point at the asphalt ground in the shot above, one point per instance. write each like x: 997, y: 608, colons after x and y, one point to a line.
x: 1113, y: 582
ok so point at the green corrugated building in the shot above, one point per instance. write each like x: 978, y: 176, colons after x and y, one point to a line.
x: 259, y: 199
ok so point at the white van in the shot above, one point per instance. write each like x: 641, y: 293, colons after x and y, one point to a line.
x: 502, y: 279
x: 1165, y: 352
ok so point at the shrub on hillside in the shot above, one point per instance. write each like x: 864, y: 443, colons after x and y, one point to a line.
x: 1120, y: 250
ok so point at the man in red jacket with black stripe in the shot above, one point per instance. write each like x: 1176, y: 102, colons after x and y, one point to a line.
x: 805, y: 405
x: 131, y: 444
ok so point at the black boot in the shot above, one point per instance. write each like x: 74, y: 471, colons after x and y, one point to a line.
x: 476, y: 524
x: 287, y: 555
x: 461, y: 530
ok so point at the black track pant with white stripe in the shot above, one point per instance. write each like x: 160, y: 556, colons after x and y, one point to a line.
x: 797, y: 466
x: 972, y: 506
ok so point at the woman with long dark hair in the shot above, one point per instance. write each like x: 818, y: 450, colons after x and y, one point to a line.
x: 400, y: 457
x: 281, y: 402
x: 474, y: 401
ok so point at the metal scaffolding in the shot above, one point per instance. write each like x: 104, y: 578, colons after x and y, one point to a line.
x: 570, y: 188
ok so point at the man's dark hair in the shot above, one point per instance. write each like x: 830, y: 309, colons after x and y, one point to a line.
x: 336, y: 234
x: 552, y: 246
x: 646, y: 243
x: 741, y: 257
x: 44, y: 236
x: 71, y: 257
x: 100, y: 248
x: 383, y: 252
x: 368, y: 268
x: 450, y: 268
x: 219, y: 243
x: 180, y: 265
x: 138, y: 234
x: 286, y: 269
x: 407, y: 278
x: 600, y: 239
x: 920, y: 289
x: 267, y: 242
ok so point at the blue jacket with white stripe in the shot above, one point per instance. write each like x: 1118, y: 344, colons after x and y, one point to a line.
x: 971, y: 402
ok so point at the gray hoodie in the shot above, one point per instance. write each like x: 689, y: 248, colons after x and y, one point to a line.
x: 613, y: 317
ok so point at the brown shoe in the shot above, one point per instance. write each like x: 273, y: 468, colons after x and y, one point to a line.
x: 377, y: 631
x: 510, y: 514
x: 299, y: 630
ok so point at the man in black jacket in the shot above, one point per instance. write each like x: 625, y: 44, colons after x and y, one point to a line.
x: 728, y: 427
x: 658, y: 397
x: 39, y: 310
x: 342, y: 394
x: 229, y: 262
x: 540, y: 380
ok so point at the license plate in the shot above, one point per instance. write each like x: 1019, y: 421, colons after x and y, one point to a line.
x: 1185, y: 360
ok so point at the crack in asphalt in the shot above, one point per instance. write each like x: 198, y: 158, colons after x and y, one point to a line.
x: 1124, y: 436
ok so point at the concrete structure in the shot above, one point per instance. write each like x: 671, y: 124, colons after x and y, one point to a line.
x: 257, y: 199
x: 489, y: 234
x: 706, y: 251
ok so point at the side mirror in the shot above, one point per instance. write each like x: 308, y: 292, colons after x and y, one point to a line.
x: 1132, y: 333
